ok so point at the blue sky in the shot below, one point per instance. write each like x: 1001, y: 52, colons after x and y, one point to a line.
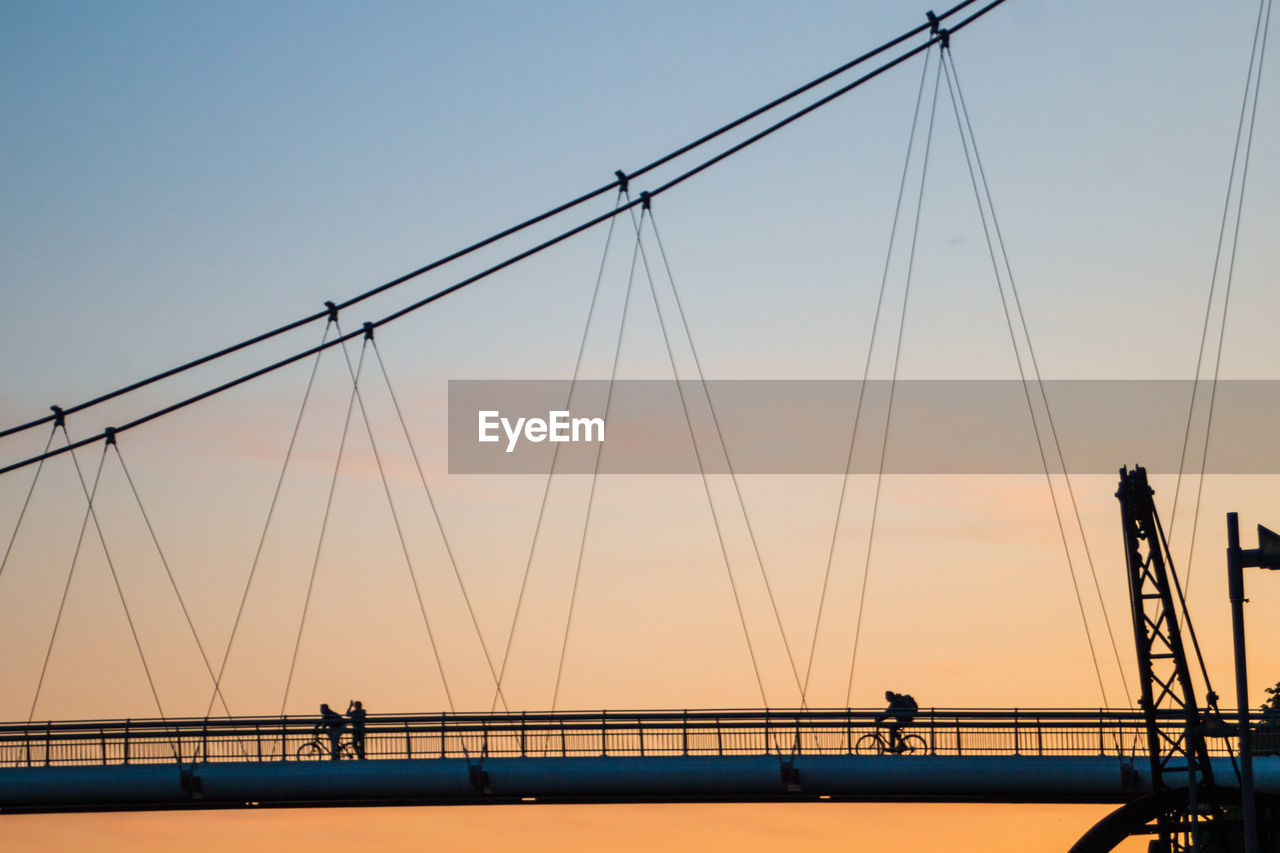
x: 177, y: 177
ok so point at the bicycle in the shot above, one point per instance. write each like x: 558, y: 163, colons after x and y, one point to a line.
x: 878, y: 743
x: 318, y: 747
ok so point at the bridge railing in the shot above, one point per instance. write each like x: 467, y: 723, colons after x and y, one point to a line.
x: 945, y: 732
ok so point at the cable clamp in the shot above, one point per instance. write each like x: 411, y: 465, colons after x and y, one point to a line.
x: 59, y: 417
x: 645, y: 199
x: 110, y: 434
x: 936, y: 30
x: 623, y: 181
x: 368, y: 331
x: 333, y: 311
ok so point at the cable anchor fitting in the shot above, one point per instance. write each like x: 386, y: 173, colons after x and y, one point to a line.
x: 368, y: 331
x: 645, y: 200
x: 333, y: 312
x: 110, y: 434
x: 623, y: 180
x: 936, y: 30
x: 59, y: 417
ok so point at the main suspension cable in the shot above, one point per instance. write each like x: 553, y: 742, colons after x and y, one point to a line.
x: 546, y: 244
x: 507, y: 232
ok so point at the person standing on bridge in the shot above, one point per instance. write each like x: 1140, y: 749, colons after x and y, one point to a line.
x: 902, y: 708
x: 332, y: 722
x: 355, y: 713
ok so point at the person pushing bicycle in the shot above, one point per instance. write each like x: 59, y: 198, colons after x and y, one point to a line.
x: 902, y: 708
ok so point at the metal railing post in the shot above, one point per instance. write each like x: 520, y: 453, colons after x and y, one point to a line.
x: 604, y: 733
x: 684, y: 734
x: 1017, y: 746
x: 126, y: 741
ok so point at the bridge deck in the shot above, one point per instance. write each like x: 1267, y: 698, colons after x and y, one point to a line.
x: 974, y: 755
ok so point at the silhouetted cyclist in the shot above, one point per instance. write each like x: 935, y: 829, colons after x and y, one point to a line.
x: 355, y: 713
x: 902, y: 708
x: 333, y: 724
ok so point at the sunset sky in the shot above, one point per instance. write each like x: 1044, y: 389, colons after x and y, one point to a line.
x: 176, y: 177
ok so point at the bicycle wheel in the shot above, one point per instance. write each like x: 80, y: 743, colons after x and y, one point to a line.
x: 311, y: 751
x: 914, y: 744
x: 347, y: 752
x: 871, y: 744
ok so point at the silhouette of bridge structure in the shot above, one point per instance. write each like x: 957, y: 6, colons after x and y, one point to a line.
x: 688, y: 755
x: 980, y: 755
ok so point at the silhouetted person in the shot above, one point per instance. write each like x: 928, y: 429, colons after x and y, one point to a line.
x: 332, y: 722
x: 902, y: 708
x: 355, y: 713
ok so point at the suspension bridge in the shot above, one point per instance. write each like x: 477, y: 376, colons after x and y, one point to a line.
x: 796, y: 754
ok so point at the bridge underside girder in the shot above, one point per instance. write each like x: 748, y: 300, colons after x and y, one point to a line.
x: 750, y: 778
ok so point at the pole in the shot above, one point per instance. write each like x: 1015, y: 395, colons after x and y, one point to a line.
x: 1235, y: 591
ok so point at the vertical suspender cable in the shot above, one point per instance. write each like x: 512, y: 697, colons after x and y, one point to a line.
x: 137, y: 642
x: 555, y: 455
x: 866, y: 374
x: 715, y: 520
x: 324, y: 524
x: 66, y: 587
x: 172, y: 581
x: 1226, y: 295
x: 724, y: 448
x: 595, y: 475
x: 391, y: 504
x: 976, y: 175
x: 435, y: 514
x: 266, y: 525
x: 893, y: 382
x: 25, y: 503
